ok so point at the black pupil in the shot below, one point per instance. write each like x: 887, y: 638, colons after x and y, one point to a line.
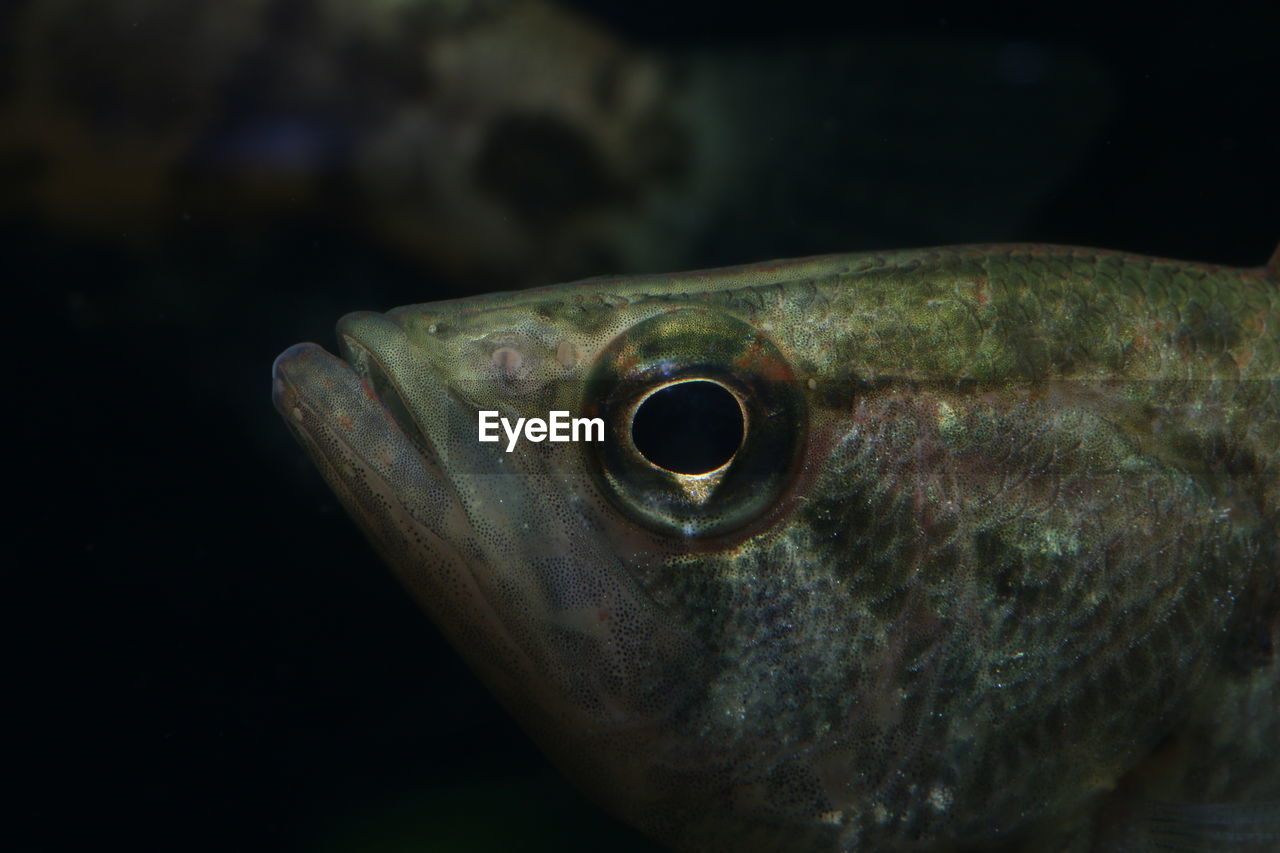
x: 689, y: 428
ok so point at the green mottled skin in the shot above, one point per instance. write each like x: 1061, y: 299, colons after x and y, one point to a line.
x: 1021, y: 577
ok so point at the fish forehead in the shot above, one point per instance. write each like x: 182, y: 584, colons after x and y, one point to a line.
x: 979, y: 312
x: 1039, y: 258
x: 1035, y: 478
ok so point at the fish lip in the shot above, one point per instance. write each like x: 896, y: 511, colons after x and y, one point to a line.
x: 293, y: 389
x: 380, y: 382
x: 283, y: 390
x: 288, y: 389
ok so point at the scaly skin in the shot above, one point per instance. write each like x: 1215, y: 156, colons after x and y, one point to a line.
x: 1006, y: 566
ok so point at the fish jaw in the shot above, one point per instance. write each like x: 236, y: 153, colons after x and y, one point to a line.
x: 507, y: 567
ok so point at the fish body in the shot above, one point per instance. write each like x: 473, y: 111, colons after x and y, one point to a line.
x: 994, y: 562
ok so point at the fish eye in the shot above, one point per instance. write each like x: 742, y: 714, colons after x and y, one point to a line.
x: 693, y: 426
x: 704, y: 423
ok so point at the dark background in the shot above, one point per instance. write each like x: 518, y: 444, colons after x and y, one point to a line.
x: 206, y: 654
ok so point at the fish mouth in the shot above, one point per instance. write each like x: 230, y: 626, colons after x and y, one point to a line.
x: 350, y: 399
x: 355, y: 421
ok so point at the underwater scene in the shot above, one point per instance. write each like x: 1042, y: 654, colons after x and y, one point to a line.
x: 489, y: 425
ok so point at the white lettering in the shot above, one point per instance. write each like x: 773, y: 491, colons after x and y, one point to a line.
x: 588, y: 424
x: 513, y: 435
x: 489, y: 426
x: 559, y: 426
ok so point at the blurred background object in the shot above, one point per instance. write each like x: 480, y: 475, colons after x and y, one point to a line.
x: 208, y: 656
x: 507, y: 143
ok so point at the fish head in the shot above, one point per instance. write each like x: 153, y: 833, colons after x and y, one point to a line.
x: 892, y: 612
x: 547, y: 563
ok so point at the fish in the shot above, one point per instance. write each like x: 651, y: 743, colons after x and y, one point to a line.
x: 522, y: 141
x: 961, y: 548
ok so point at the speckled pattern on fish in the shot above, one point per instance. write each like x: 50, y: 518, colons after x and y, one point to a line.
x: 994, y: 566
